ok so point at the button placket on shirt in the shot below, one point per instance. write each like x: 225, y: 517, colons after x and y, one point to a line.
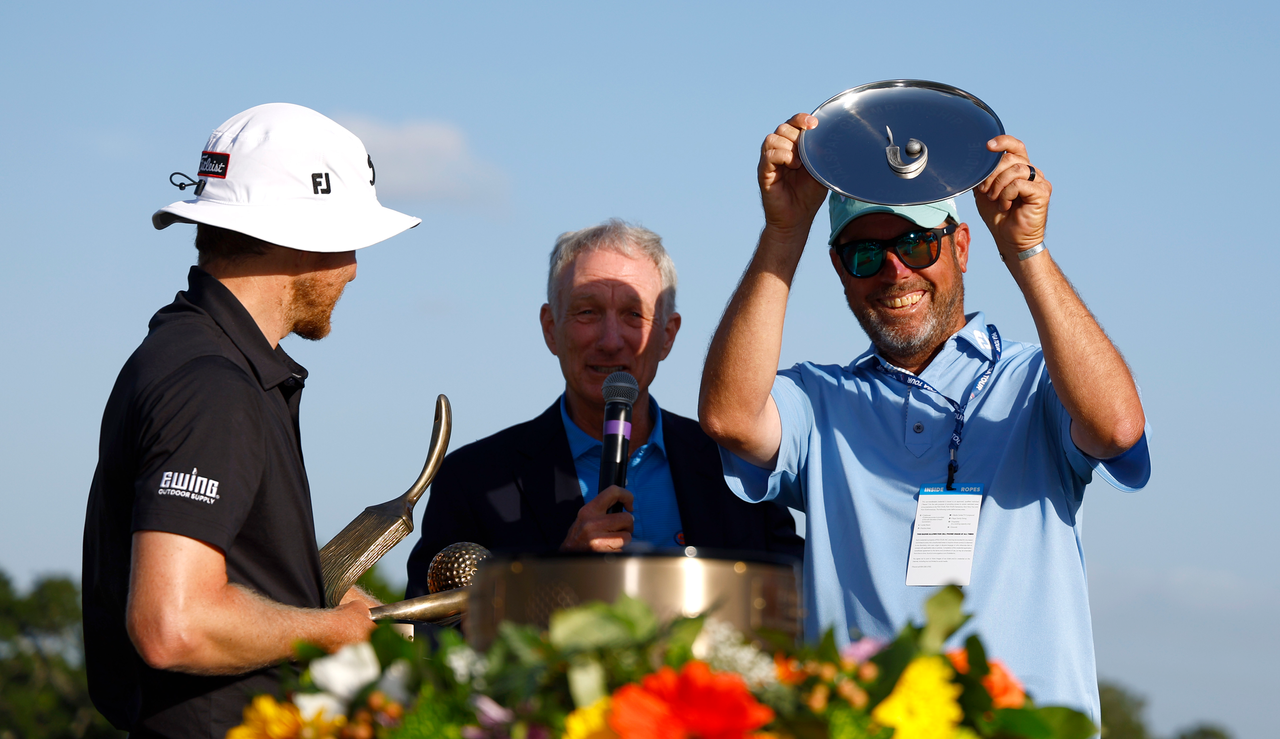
x: 920, y: 424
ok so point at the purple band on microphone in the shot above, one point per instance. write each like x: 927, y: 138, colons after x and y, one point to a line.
x: 614, y: 427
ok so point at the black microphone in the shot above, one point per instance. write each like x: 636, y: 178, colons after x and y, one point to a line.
x: 620, y: 393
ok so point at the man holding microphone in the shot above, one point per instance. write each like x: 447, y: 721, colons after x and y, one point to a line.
x: 533, y: 487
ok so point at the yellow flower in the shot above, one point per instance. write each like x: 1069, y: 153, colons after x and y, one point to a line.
x: 589, y: 722
x: 923, y: 703
x: 266, y: 719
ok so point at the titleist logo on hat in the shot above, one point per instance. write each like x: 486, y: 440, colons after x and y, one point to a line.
x: 214, y: 164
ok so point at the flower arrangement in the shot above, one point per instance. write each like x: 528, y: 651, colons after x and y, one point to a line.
x: 615, y: 672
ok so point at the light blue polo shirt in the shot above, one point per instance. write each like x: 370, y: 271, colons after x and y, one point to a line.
x: 852, y: 458
x: 648, y: 478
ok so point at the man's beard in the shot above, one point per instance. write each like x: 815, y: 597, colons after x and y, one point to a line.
x: 904, y: 342
x: 312, y: 308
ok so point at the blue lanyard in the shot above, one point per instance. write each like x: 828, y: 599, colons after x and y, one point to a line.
x: 957, y: 409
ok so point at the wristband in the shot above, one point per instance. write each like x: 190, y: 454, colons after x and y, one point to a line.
x: 1025, y: 255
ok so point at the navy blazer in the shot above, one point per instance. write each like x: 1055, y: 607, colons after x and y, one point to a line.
x: 516, y: 492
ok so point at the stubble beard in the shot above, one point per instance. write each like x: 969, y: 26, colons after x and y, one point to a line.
x: 312, y: 308
x: 908, y: 342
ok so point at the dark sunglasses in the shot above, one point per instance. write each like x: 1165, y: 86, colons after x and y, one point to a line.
x: 916, y: 249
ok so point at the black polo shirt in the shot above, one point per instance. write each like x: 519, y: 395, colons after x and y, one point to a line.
x: 199, y: 438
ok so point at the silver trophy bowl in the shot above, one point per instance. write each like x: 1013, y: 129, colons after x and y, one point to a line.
x: 901, y: 142
x: 750, y: 594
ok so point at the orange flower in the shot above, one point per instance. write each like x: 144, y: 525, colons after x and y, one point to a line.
x: 693, y: 703
x: 1005, y: 690
x: 790, y: 671
x: 639, y: 714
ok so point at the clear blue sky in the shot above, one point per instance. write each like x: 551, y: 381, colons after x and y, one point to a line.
x: 504, y: 125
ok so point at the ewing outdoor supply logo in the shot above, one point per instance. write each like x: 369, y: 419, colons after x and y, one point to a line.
x: 214, y: 164
x: 189, y: 485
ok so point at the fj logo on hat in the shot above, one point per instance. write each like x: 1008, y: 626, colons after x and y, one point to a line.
x: 214, y: 164
x: 316, y: 179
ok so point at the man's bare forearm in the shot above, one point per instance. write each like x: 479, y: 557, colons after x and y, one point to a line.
x: 734, y: 406
x: 184, y: 615
x: 1088, y: 373
x: 241, y: 632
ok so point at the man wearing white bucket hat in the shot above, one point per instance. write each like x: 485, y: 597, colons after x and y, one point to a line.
x: 201, y: 568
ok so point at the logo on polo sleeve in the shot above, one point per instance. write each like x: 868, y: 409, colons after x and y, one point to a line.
x: 189, y: 485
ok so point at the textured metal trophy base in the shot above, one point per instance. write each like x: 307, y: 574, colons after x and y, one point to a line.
x: 750, y: 594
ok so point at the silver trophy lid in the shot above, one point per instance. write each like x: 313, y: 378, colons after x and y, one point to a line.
x: 901, y: 142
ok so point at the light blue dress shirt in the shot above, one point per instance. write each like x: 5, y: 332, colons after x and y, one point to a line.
x: 856, y: 447
x: 648, y: 478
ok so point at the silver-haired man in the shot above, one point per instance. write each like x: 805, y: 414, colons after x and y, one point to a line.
x: 610, y: 307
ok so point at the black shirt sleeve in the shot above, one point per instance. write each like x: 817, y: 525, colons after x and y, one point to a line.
x: 203, y: 432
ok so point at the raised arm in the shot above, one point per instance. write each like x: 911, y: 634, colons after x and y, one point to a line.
x: 734, y: 405
x: 1088, y: 373
x: 184, y: 616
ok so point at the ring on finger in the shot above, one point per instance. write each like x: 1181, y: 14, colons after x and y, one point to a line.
x: 1032, y: 176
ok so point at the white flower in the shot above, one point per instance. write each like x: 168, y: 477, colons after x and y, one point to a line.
x: 346, y: 671
x: 466, y: 664
x: 724, y: 649
x: 395, y: 682
x: 323, y: 705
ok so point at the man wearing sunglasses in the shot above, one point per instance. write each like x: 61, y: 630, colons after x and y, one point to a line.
x: 939, y: 411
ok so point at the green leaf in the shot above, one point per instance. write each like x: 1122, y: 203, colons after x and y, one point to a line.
x: 975, y: 701
x: 1066, y: 723
x: 433, y: 718
x: 1022, y: 722
x: 777, y: 641
x: 845, y: 723
x: 827, y: 650
x: 447, y: 639
x: 592, y: 626
x: 807, y: 728
x: 525, y: 644
x: 390, y: 646
x: 892, y: 660
x: 978, y: 667
x: 636, y: 614
x: 944, y: 617
x: 586, y: 681
x: 681, y: 635
x: 306, y: 651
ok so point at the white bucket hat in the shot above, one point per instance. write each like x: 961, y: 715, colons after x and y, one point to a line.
x: 292, y: 177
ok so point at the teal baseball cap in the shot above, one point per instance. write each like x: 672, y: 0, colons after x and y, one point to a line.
x: 843, y: 210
